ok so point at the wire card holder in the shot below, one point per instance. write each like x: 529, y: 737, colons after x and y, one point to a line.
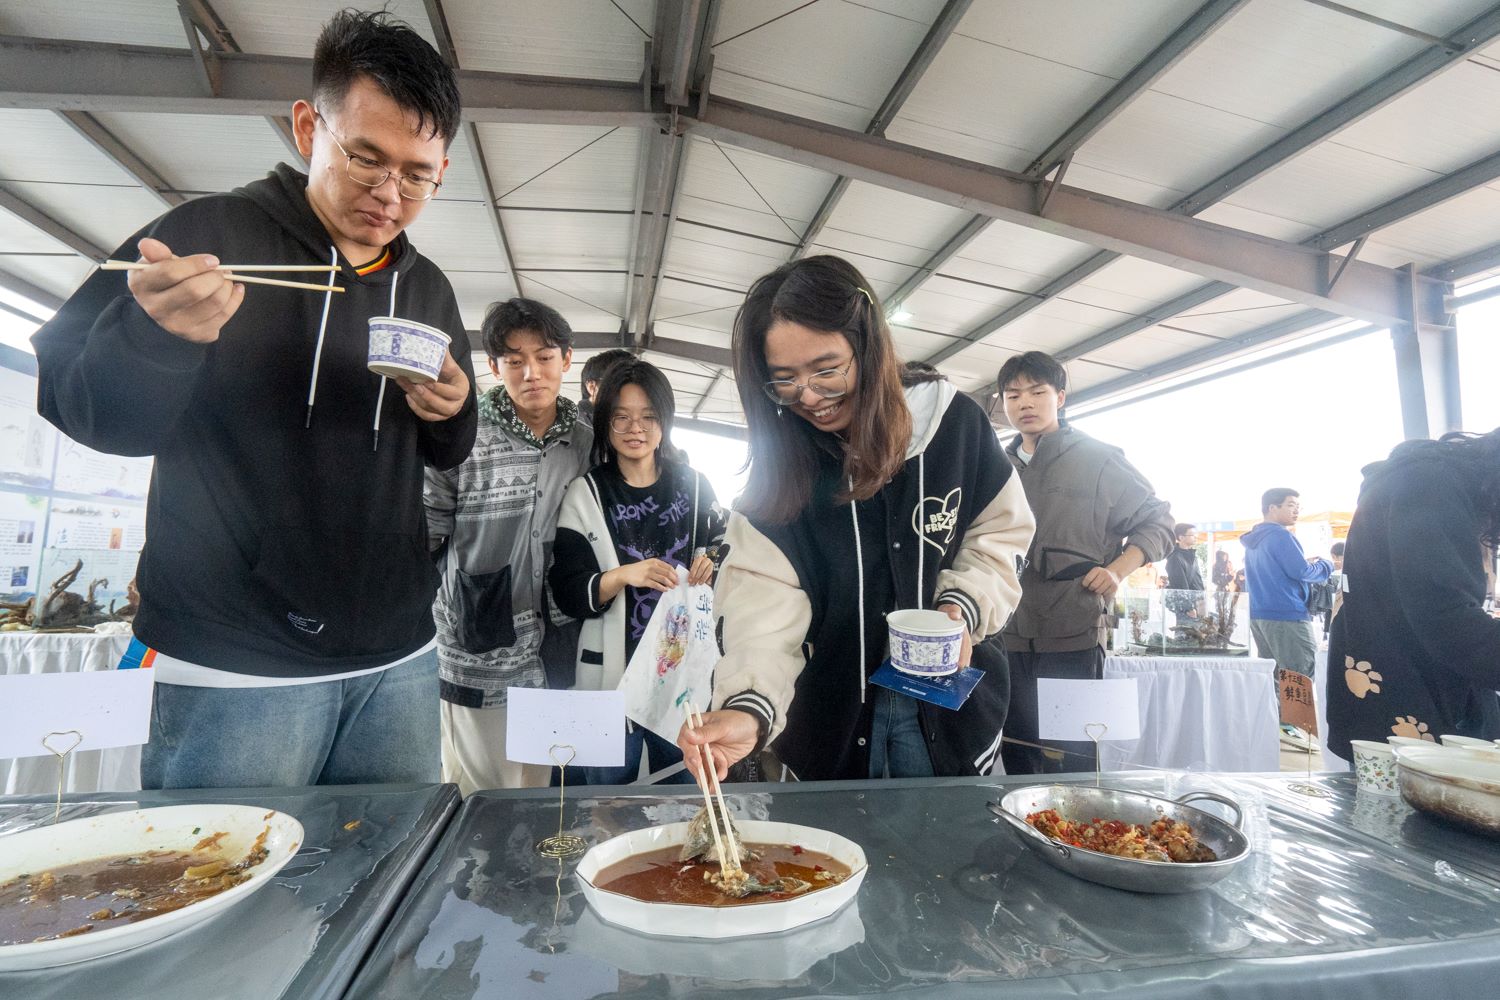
x: 564, y: 845
x: 62, y: 763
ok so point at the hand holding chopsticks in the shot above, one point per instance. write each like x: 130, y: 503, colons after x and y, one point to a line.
x: 186, y: 296
x: 729, y: 851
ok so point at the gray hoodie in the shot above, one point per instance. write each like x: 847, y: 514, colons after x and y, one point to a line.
x: 1089, y: 504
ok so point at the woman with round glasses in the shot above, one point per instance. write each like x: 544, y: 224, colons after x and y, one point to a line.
x: 628, y: 530
x: 866, y: 495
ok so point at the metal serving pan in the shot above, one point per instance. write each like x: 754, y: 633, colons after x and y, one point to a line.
x: 1085, y: 802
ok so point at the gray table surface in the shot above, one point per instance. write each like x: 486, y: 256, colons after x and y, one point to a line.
x: 1348, y: 896
x: 303, y: 935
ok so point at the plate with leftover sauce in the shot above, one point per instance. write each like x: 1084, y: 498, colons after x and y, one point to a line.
x: 106, y: 884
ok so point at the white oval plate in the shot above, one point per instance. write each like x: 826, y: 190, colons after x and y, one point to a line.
x: 717, y: 922
x: 167, y: 828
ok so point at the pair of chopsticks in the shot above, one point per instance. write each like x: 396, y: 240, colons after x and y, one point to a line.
x: 238, y: 272
x: 729, y: 861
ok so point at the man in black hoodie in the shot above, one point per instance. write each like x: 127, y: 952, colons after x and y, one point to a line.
x: 286, y: 589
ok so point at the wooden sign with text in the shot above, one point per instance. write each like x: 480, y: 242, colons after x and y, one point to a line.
x: 1295, y: 693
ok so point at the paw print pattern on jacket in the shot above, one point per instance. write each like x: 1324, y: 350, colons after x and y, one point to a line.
x: 1360, y: 678
x: 1407, y: 725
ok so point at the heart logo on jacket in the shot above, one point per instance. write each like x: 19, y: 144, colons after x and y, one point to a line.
x: 937, y: 516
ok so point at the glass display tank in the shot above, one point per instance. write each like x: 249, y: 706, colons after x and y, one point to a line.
x: 1158, y: 622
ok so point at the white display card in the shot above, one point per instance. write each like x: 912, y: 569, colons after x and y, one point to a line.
x: 1074, y: 709
x: 591, y: 722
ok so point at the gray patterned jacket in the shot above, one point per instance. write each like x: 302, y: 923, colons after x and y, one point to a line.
x: 496, y: 511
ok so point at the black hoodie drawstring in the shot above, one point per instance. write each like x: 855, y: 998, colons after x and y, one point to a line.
x: 859, y: 562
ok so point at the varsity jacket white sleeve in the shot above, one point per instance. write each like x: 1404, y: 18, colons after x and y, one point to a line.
x: 985, y: 579
x: 764, y: 616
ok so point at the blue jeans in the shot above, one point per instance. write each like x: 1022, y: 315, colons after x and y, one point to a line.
x: 897, y: 747
x: 640, y: 740
x: 381, y: 727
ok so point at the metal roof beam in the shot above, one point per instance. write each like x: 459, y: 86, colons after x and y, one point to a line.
x: 1140, y: 78
x: 201, y: 15
x: 52, y: 75
x: 122, y: 156
x: 1285, y: 270
x: 698, y: 406
x: 678, y: 53
x: 1477, y: 262
x: 1461, y: 181
x: 1178, y: 44
x: 705, y: 354
x: 1466, y: 41
x: 18, y: 285
x: 1471, y: 37
x: 40, y: 220
x: 439, y: 22
x: 927, y: 50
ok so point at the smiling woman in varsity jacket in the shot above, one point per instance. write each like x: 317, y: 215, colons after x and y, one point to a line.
x: 864, y: 497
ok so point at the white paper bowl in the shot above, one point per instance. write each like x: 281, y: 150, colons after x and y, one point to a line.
x: 1375, y: 767
x: 718, y: 922
x: 924, y: 643
x: 400, y: 348
x: 1468, y: 743
x: 169, y: 828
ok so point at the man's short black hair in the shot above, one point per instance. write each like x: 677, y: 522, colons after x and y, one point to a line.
x: 1276, y: 497
x: 504, y: 318
x: 1035, y: 365
x: 1183, y: 528
x: 1337, y: 549
x: 596, y: 367
x: 373, y: 43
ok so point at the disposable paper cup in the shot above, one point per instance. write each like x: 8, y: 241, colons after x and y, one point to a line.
x: 925, y: 643
x: 400, y: 348
x: 1467, y: 743
x: 1375, y: 767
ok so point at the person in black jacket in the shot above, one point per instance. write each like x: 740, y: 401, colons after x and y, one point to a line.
x: 286, y: 590
x: 1413, y: 651
x: 864, y: 497
x: 1184, y: 579
x: 630, y: 530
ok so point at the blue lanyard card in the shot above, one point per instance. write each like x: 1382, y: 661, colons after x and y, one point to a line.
x: 945, y: 692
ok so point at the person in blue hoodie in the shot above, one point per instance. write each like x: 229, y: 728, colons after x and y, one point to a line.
x: 1278, y: 573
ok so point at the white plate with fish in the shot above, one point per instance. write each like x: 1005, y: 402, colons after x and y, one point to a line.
x: 106, y: 884
x: 642, y: 881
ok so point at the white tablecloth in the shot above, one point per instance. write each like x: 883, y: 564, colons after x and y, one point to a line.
x: 91, y: 771
x: 1199, y: 713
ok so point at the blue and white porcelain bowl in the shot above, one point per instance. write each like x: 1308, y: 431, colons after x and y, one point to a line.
x: 925, y: 643
x: 400, y: 348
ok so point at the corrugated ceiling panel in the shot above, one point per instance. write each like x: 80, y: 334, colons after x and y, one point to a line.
x: 456, y: 237
x: 917, y: 345
x: 562, y: 166
x: 720, y: 258
x: 17, y: 237
x: 106, y: 216
x: 1131, y: 287
x: 123, y: 22
x: 59, y: 274
x: 1017, y: 74
x: 291, y: 27
x: 475, y: 290
x: 954, y: 306
x: 1148, y: 348
x: 757, y: 183
x: 1237, y: 312
x: 568, y: 239
x: 1330, y: 183
x: 701, y: 213
x: 1451, y: 229
x: 40, y: 146
x: 1433, y: 16
x: 1014, y: 257
x: 1272, y: 66
x: 1274, y: 226
x: 1085, y: 375
x: 793, y: 64
x: 692, y: 334
x: 583, y: 38
x: 907, y: 222
x: 208, y: 152
x: 603, y: 294
x: 1445, y: 124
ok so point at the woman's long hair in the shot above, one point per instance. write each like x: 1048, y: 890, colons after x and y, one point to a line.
x: 632, y: 371
x: 828, y: 294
